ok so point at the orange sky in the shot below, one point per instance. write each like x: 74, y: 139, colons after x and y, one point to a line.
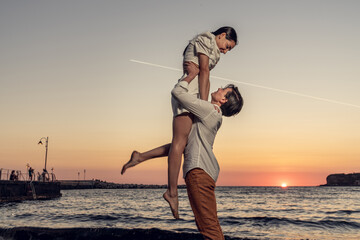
x: 71, y: 78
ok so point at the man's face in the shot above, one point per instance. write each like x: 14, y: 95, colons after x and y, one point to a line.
x: 219, y: 95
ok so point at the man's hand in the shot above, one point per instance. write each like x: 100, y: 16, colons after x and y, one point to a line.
x: 191, y: 69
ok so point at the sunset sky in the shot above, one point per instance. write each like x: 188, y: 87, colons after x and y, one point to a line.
x: 65, y: 72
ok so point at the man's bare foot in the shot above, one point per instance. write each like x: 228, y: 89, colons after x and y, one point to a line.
x: 174, y: 204
x: 134, y: 160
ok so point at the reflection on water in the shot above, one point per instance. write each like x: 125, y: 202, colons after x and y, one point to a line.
x: 258, y: 212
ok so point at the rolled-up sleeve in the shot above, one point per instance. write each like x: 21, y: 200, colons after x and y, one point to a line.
x: 198, y: 107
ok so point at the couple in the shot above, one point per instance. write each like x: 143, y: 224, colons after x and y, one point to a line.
x: 197, y: 121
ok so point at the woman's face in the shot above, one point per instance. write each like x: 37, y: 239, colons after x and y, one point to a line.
x: 224, y: 44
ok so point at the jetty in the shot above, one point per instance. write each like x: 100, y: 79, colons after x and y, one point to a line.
x: 11, y: 191
x: 18, y: 186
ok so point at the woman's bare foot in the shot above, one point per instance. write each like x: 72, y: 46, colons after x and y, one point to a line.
x: 134, y: 160
x: 174, y: 204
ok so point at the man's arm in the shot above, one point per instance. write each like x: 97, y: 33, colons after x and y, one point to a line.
x: 192, y: 71
x: 198, y: 107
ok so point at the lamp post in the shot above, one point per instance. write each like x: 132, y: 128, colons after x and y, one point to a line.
x: 46, y: 147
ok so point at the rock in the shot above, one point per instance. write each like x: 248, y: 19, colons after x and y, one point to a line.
x: 352, y: 179
x: 31, y: 233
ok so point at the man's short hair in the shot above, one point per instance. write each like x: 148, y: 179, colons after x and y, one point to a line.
x: 234, y: 102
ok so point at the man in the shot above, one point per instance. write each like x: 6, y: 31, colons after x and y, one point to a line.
x: 200, y: 166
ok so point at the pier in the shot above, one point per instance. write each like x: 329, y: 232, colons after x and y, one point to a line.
x: 11, y: 191
x: 17, y: 186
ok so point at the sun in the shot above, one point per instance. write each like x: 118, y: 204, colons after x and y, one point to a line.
x: 283, y: 185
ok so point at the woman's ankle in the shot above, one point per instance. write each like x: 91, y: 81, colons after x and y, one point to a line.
x: 172, y: 193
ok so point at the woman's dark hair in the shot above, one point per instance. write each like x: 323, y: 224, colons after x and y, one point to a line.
x: 230, y: 33
x: 234, y: 102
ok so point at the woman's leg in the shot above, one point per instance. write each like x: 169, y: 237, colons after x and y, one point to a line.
x: 181, y: 129
x: 137, y: 157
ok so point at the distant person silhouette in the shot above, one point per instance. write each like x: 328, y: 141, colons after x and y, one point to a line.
x: 13, y: 176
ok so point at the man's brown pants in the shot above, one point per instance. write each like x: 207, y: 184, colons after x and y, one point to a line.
x: 201, y: 192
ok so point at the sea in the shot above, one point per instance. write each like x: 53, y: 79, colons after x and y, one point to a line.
x: 244, y: 212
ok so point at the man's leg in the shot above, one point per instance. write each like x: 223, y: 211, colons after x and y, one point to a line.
x: 201, y: 192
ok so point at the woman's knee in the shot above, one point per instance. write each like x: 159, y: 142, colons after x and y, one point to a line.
x: 178, y: 144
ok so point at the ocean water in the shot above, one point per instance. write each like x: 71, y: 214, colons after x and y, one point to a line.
x: 244, y: 212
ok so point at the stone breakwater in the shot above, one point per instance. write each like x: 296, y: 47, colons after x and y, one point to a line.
x: 98, y: 184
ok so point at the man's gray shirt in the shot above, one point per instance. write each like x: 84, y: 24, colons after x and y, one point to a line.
x: 207, y: 121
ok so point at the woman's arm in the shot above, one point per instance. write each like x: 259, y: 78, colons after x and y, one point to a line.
x: 204, y: 74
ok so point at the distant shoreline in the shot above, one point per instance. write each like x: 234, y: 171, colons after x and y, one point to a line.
x: 98, y: 184
x: 332, y: 180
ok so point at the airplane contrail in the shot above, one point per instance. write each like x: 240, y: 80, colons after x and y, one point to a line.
x: 254, y: 85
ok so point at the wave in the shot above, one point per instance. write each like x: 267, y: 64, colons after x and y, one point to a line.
x: 107, y: 217
x: 274, y: 221
x: 347, y: 212
x: 25, y: 233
